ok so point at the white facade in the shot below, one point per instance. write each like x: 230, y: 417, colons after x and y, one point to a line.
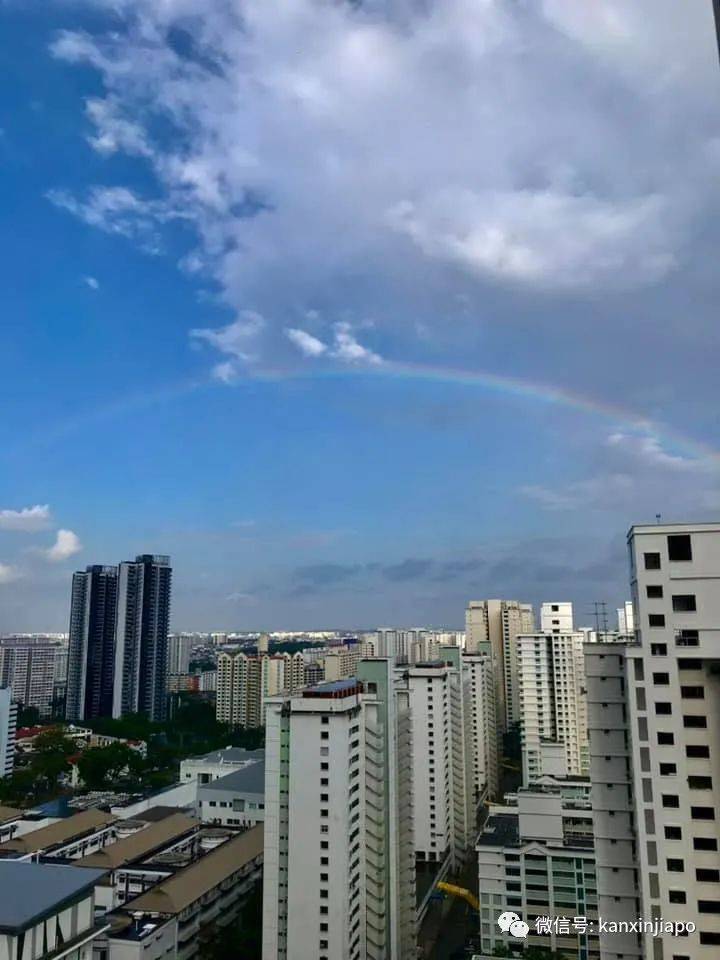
x: 553, y: 705
x: 217, y: 764
x: 478, y: 668
x: 556, y: 617
x: 29, y: 670
x: 8, y: 724
x: 338, y: 879
x: 442, y: 763
x: 179, y: 651
x: 535, y: 857
x: 626, y: 618
x: 654, y: 718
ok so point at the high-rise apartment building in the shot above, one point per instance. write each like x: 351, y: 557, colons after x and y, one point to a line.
x: 556, y: 617
x: 141, y: 637
x: 8, y: 725
x: 338, y: 878
x: 444, y: 812
x: 494, y: 625
x: 93, y: 611
x: 245, y: 681
x: 29, y: 670
x: 654, y: 717
x: 553, y: 705
x: 179, y: 652
x: 478, y: 668
x: 119, y: 619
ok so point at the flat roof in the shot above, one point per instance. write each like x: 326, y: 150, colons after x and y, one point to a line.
x: 175, y: 894
x: 9, y: 813
x: 501, y: 830
x: 333, y: 688
x: 65, y: 830
x: 228, y: 755
x: 248, y: 780
x: 141, y: 843
x: 31, y: 891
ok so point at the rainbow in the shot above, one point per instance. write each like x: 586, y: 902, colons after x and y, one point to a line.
x: 508, y: 386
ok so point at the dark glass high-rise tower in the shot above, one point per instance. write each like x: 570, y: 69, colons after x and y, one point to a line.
x: 93, y: 610
x: 143, y: 622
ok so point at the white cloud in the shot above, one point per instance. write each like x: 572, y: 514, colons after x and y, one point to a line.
x: 306, y: 343
x: 8, y: 573
x: 114, y: 132
x: 91, y: 282
x: 348, y: 349
x: 648, y: 449
x: 346, y: 346
x: 600, y: 491
x: 237, y: 341
x: 527, y: 145
x: 28, y: 519
x: 120, y: 211
x: 66, y: 545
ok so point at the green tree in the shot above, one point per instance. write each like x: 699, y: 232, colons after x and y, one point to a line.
x: 100, y: 766
x: 19, y: 789
x: 50, y: 755
x: 28, y: 716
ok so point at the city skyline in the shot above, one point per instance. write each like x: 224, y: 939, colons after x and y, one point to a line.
x: 348, y: 355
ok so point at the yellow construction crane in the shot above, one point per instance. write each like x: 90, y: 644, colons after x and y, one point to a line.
x: 460, y: 892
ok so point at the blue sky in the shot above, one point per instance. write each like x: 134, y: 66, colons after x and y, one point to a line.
x: 356, y: 311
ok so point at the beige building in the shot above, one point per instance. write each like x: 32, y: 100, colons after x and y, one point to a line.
x: 245, y: 681
x: 494, y: 625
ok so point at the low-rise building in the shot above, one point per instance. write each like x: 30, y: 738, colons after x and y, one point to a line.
x: 69, y: 838
x: 140, y: 841
x: 47, y: 911
x: 218, y: 764
x: 536, y: 858
x: 168, y: 921
x: 236, y: 800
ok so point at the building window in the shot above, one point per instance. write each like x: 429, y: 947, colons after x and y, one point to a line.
x: 661, y: 679
x: 687, y: 638
x: 652, y: 561
x: 670, y: 800
x: 684, y: 603
x: 707, y: 876
x: 668, y: 770
x: 700, y: 783
x: 679, y: 547
x: 673, y: 833
x: 675, y: 866
x: 677, y: 896
x: 697, y: 751
x: 696, y: 722
x: 702, y: 813
x: 663, y: 709
x: 692, y: 693
x: 658, y: 649
x: 654, y: 591
x: 705, y: 843
x: 656, y: 619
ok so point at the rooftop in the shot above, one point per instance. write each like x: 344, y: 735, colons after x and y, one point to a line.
x: 175, y: 894
x: 501, y: 830
x: 334, y: 688
x: 229, y: 755
x: 62, y: 832
x: 31, y: 891
x: 9, y: 813
x: 250, y: 779
x: 141, y: 843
